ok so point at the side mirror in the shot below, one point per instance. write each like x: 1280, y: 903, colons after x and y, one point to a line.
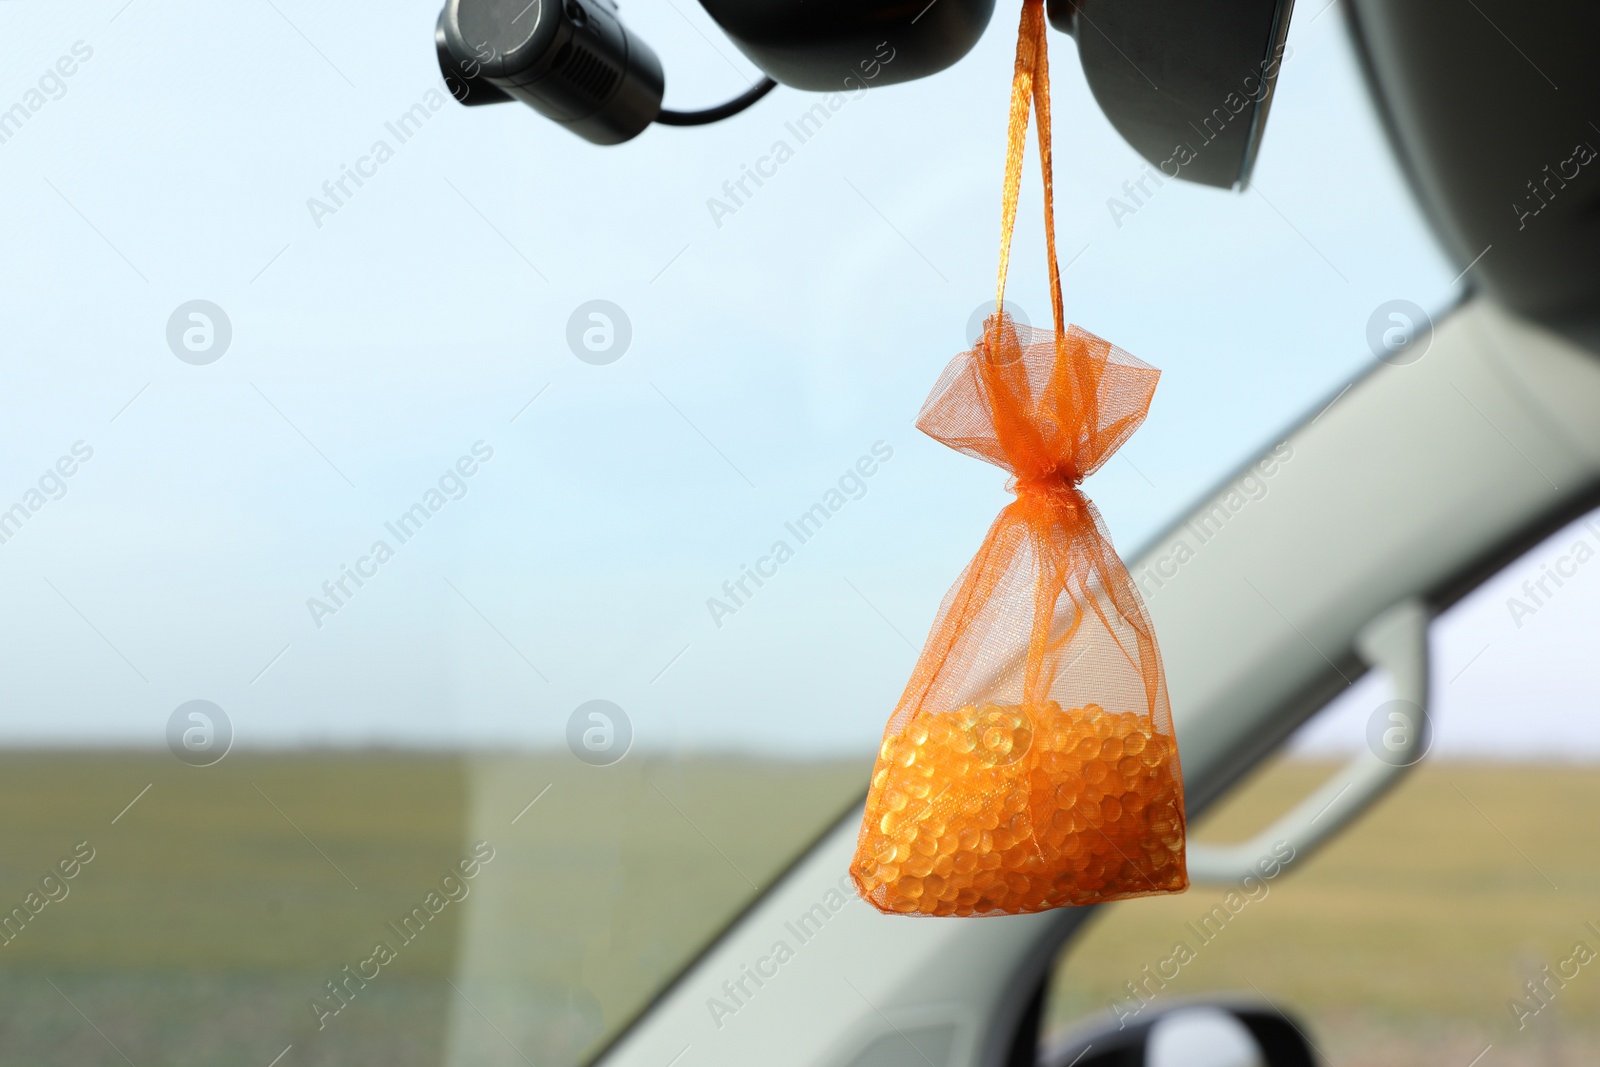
x: 1188, y: 1033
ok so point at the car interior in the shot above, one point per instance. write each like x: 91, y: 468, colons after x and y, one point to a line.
x: 396, y: 659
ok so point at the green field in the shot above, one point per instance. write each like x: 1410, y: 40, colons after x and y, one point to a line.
x: 219, y: 905
x: 1404, y: 940
x: 216, y: 908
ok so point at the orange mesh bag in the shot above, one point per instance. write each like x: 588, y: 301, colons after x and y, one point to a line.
x: 1031, y: 762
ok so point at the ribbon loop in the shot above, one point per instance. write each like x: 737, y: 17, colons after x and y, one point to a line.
x: 1030, y: 84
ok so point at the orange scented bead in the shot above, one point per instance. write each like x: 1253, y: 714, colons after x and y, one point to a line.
x: 1046, y: 808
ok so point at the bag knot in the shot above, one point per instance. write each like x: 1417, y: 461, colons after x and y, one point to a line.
x: 1055, y: 488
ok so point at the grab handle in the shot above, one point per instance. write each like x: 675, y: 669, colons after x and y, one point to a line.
x: 1396, y: 642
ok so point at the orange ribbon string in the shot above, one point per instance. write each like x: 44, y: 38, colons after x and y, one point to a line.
x: 1030, y: 84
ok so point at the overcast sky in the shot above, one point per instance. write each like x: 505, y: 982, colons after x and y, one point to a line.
x: 374, y: 347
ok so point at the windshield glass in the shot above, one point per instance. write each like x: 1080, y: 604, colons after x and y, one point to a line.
x: 452, y: 568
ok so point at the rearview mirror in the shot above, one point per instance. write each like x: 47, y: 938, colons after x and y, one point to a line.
x: 1187, y: 85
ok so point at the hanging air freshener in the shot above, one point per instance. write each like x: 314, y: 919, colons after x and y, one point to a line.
x: 1031, y: 762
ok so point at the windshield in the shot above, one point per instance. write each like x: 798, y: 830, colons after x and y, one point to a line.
x: 452, y: 568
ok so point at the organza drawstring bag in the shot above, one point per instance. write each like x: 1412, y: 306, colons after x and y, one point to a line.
x: 1031, y: 762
